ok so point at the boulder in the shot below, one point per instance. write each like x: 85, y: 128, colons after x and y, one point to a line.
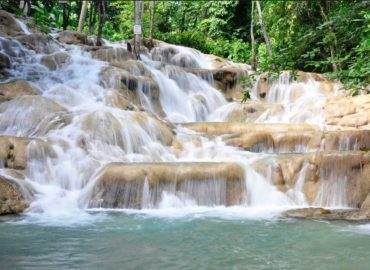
x: 4, y: 64
x: 40, y: 43
x: 72, y: 37
x: 8, y: 25
x: 15, y: 151
x: 13, y: 195
x: 22, y: 115
x: 56, y: 60
x: 137, y: 89
x: 110, y: 54
x: 140, y: 185
x: 15, y: 89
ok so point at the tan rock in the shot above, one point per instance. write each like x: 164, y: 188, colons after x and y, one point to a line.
x: 123, y: 185
x: 17, y: 88
x: 8, y: 25
x: 72, y: 37
x: 40, y: 43
x: 56, y: 60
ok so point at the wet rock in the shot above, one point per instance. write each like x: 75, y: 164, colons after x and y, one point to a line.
x: 308, y: 213
x: 137, y: 89
x: 216, y: 128
x: 333, y: 178
x: 110, y: 54
x: 56, y: 60
x: 8, y: 25
x: 4, y: 64
x: 142, y: 185
x: 40, y: 43
x: 327, y: 214
x: 14, y: 152
x: 108, y: 128
x: 14, y: 196
x: 117, y: 100
x: 15, y: 89
x: 300, y: 141
x: 22, y: 115
x: 326, y: 86
x: 72, y: 37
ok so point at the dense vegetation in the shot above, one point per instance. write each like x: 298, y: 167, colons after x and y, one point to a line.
x: 312, y: 35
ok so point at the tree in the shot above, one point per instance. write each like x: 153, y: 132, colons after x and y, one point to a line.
x: 101, y: 12
x: 151, y: 27
x: 263, y: 27
x: 331, y: 44
x: 82, y: 16
x: 253, y: 46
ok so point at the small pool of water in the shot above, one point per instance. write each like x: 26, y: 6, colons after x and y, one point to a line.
x: 133, y: 240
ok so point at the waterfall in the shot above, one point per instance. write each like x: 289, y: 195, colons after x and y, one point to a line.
x: 81, y: 114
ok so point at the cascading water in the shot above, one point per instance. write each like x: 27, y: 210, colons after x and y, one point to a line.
x: 85, y: 131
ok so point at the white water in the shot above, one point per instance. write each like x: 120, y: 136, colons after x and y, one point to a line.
x: 91, y: 132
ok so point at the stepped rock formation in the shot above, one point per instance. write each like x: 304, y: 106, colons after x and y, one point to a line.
x: 96, y: 128
x: 141, y: 185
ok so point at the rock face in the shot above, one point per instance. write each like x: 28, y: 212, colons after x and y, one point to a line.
x: 345, y: 112
x: 14, y: 89
x: 8, y: 25
x: 13, y: 198
x: 142, y: 185
x: 137, y: 89
x: 330, y: 179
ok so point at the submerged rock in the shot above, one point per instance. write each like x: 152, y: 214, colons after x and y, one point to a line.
x: 141, y: 185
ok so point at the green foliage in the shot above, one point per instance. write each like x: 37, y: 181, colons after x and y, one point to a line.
x: 46, y: 19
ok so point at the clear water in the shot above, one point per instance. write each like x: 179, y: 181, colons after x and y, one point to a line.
x: 116, y: 240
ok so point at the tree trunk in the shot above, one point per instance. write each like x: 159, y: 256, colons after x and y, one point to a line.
x: 265, y: 36
x: 92, y: 18
x: 151, y: 24
x: 331, y: 46
x: 82, y: 16
x: 137, y: 31
x: 253, y: 53
x: 65, y: 16
x: 101, y: 10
